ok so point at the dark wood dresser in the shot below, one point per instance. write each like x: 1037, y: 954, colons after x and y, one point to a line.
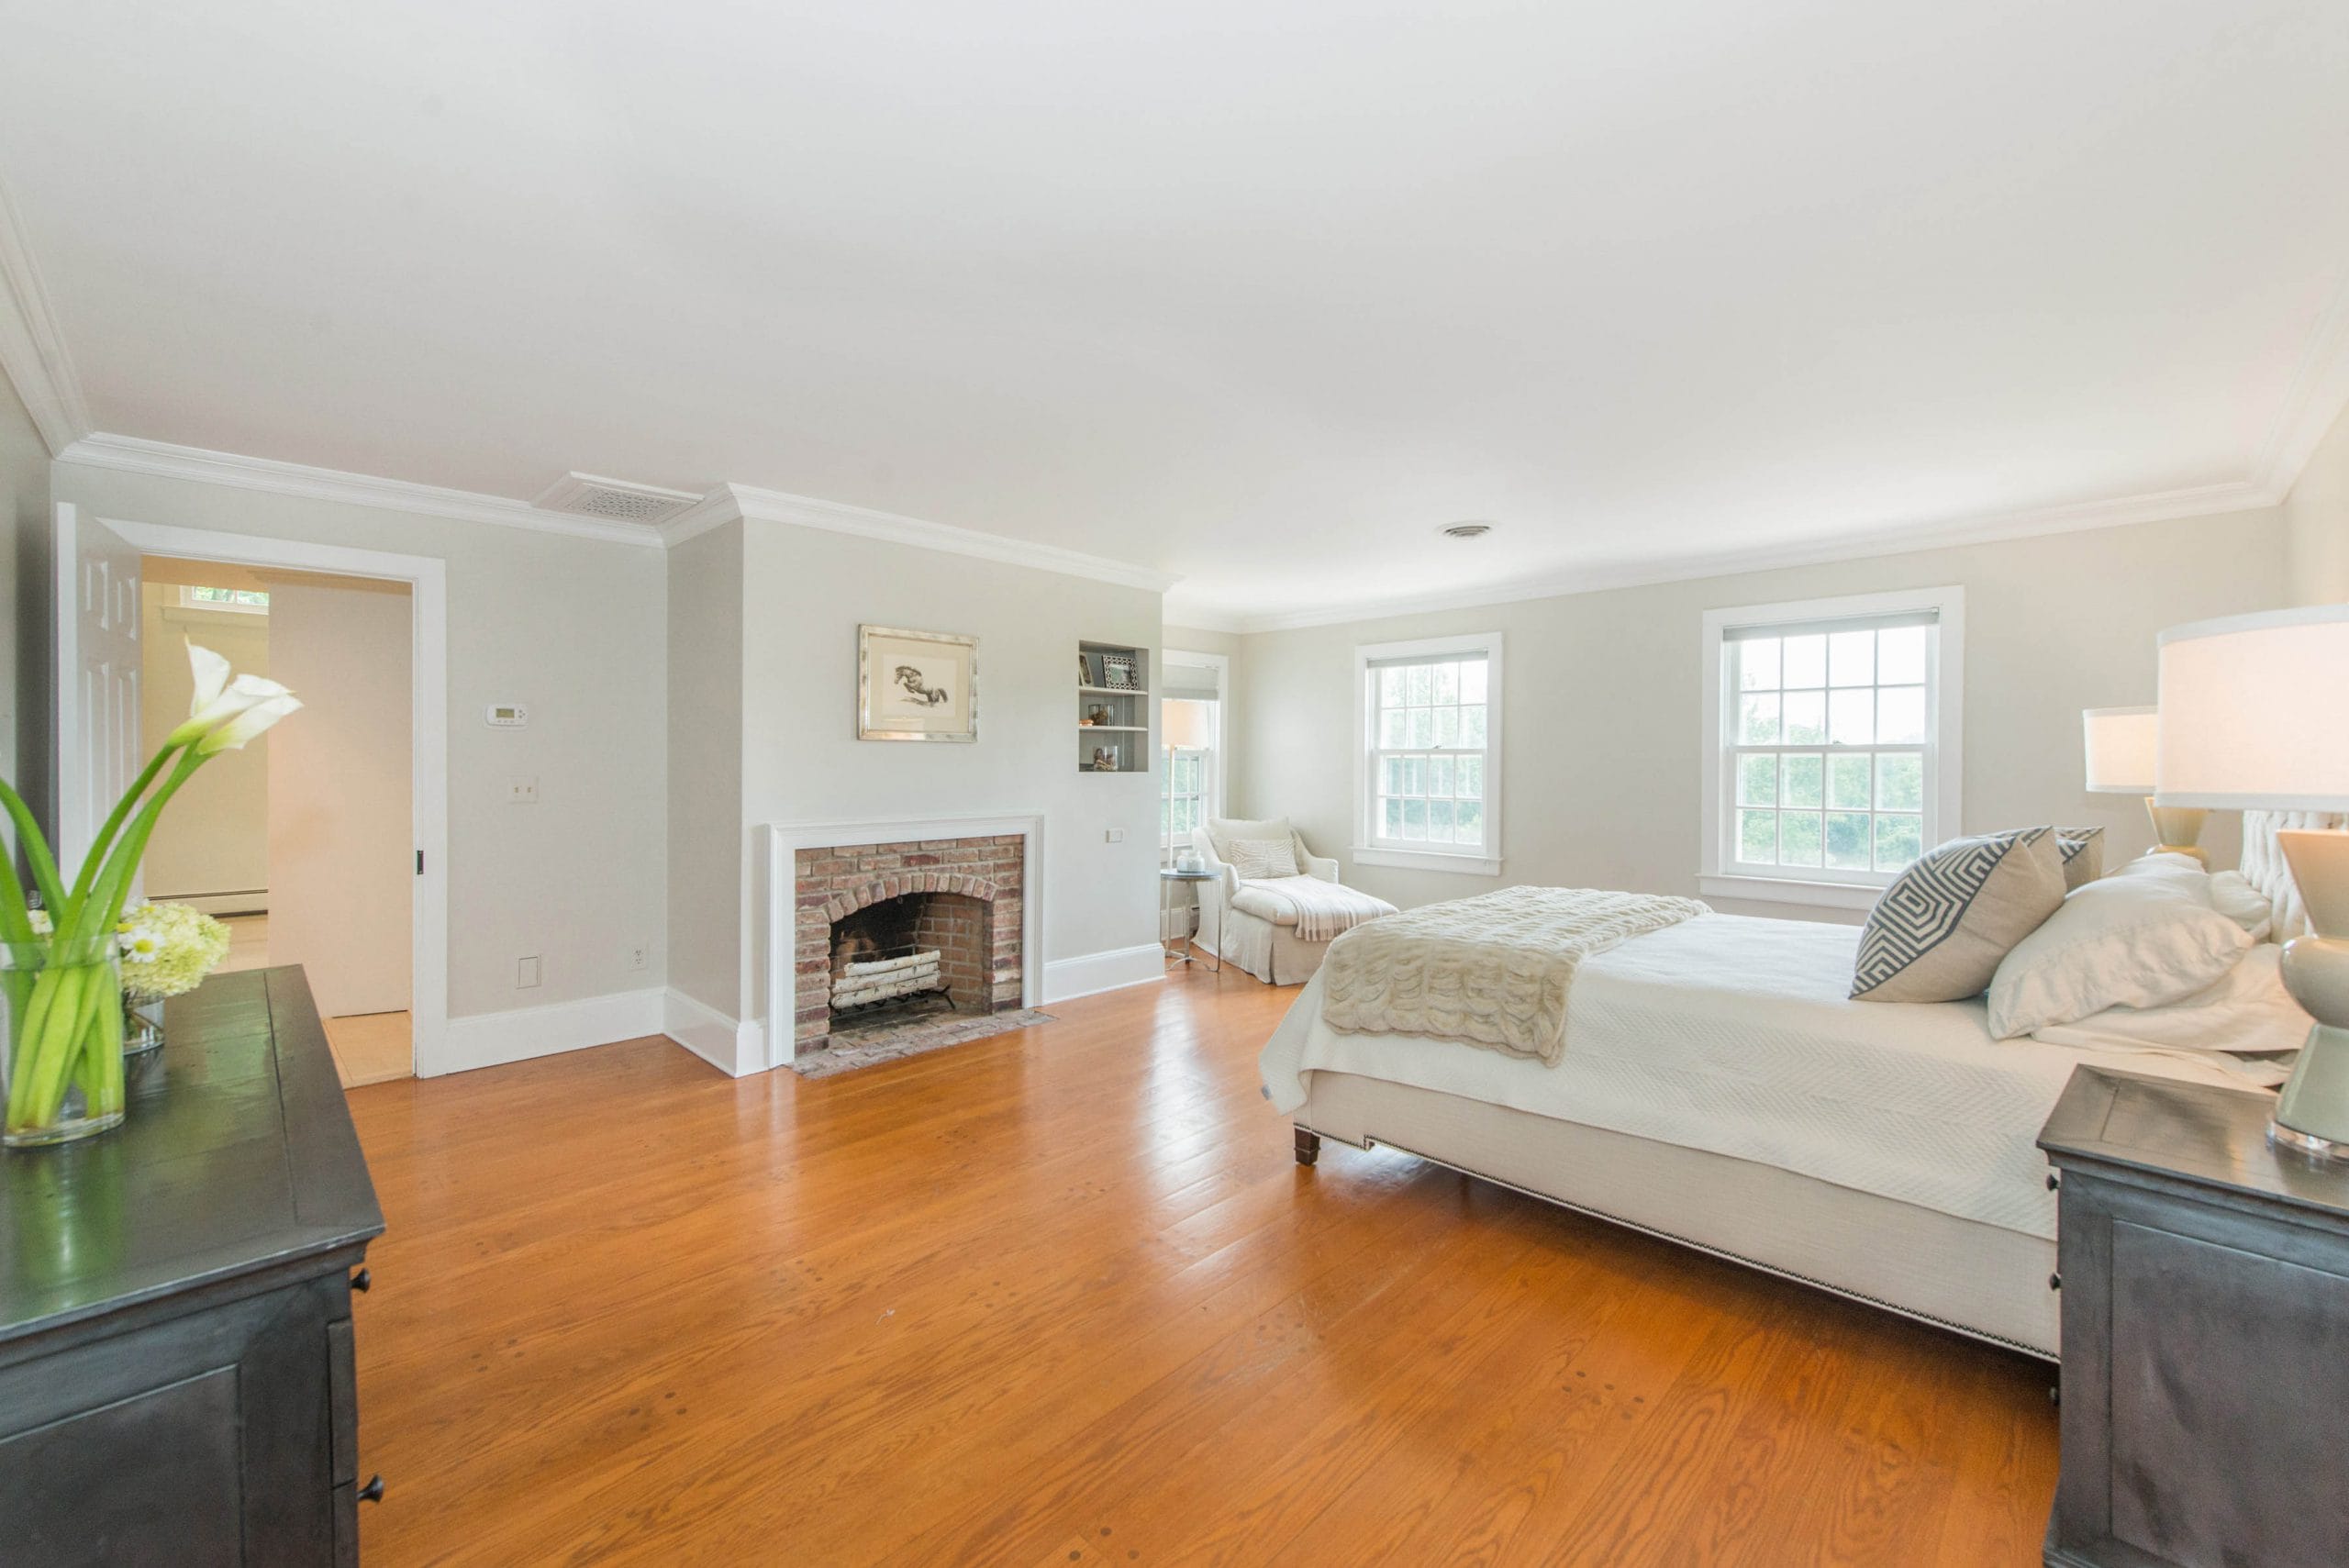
x: 2206, y: 1333
x: 176, y: 1377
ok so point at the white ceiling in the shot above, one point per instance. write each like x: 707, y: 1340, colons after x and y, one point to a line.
x: 1259, y: 292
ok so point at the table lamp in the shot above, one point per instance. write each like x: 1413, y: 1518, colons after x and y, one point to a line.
x: 2255, y: 714
x: 2120, y: 743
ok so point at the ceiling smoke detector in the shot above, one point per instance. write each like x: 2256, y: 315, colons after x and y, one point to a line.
x: 613, y: 500
x: 1466, y: 530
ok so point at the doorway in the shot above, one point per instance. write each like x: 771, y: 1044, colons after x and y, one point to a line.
x: 99, y: 714
x: 301, y: 842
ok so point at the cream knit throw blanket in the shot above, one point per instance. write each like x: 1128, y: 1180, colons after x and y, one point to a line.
x: 1321, y: 910
x: 1491, y: 970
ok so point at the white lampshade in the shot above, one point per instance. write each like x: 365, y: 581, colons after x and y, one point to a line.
x: 1185, y: 726
x: 2121, y: 749
x: 2253, y: 711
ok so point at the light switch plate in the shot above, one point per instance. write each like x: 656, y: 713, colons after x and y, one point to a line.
x: 526, y: 972
x: 1115, y: 835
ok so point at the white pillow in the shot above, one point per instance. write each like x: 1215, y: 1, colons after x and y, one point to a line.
x: 2246, y: 1013
x: 2146, y: 937
x: 1255, y: 859
x: 2232, y: 896
x: 2168, y: 863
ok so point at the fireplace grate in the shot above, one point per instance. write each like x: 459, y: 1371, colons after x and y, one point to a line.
x: 891, y: 976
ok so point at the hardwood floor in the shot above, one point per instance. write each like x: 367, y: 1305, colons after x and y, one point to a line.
x: 369, y: 1048
x: 1062, y: 1296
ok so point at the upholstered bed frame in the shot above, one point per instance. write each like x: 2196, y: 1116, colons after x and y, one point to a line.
x: 1974, y: 1279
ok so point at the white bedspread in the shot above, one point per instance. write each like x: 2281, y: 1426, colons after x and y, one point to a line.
x: 1736, y: 1036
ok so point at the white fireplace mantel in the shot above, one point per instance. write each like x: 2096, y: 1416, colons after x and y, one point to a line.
x: 786, y: 839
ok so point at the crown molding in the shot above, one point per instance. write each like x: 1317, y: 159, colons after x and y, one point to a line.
x: 32, y: 349
x: 2206, y: 500
x: 129, y: 454
x: 2314, y: 403
x: 833, y: 517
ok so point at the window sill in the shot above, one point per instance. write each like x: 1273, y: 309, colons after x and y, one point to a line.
x: 1427, y: 859
x: 1790, y: 890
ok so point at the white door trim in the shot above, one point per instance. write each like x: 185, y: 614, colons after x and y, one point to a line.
x: 428, y: 744
x: 784, y: 839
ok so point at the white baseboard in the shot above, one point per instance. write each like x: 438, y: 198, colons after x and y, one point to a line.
x: 734, y: 1047
x: 487, y: 1039
x: 1067, y: 978
x: 217, y: 903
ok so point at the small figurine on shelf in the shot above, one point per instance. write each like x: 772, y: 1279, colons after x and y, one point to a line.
x: 1105, y: 759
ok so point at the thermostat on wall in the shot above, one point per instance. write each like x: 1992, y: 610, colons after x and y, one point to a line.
x: 509, y: 716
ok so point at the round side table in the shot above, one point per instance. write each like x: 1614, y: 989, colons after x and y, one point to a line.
x: 1167, y: 877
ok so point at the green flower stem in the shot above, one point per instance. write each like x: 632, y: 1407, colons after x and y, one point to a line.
x: 45, y: 877
x: 113, y: 887
x: 122, y: 808
x: 32, y: 1033
x: 50, y: 1046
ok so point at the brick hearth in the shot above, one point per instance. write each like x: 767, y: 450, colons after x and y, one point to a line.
x: 985, y: 875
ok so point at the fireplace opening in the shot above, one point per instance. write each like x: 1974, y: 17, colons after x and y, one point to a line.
x: 915, y: 953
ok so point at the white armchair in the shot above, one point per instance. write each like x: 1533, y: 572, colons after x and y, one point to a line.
x: 1265, y: 946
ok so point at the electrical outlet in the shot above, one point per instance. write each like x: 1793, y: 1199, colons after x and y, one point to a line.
x: 637, y: 955
x: 522, y: 791
x: 1115, y: 835
x: 526, y: 972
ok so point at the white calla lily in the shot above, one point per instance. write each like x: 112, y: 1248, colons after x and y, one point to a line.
x: 218, y: 698
x: 252, y: 721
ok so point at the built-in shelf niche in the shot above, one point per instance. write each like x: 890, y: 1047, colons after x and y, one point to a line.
x: 1112, y: 715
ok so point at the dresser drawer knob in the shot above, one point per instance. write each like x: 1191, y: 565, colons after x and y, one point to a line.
x: 363, y: 1280
x: 374, y: 1491
x: 2054, y: 1281
x: 2054, y: 1181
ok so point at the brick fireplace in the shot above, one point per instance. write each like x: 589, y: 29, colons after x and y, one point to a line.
x: 963, y: 898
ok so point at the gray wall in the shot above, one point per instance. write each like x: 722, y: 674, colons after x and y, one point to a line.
x: 2316, y: 516
x: 24, y: 592
x: 574, y: 626
x: 709, y: 847
x: 1603, y: 730
x: 807, y: 590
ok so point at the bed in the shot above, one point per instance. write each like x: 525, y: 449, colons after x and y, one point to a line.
x: 1722, y: 1091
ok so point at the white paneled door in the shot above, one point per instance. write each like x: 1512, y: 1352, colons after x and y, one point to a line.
x: 97, y: 678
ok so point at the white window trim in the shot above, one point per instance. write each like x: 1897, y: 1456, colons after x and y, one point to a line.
x: 1944, y: 745
x: 1220, y: 754
x: 188, y: 601
x: 1363, y: 851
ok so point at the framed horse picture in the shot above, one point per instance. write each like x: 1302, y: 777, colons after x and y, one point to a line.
x: 916, y: 686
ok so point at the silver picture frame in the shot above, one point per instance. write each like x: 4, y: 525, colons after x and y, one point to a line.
x: 916, y: 686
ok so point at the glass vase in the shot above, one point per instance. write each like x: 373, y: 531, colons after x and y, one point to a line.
x: 64, y: 1038
x: 142, y: 1024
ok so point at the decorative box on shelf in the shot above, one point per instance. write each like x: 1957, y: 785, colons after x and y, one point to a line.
x: 1112, y: 709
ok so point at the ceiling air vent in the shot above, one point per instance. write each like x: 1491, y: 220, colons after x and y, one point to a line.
x: 613, y: 500
x: 1466, y: 530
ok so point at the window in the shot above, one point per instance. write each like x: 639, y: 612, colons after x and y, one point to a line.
x: 1830, y: 732
x: 1185, y: 791
x: 1430, y: 753
x: 249, y: 601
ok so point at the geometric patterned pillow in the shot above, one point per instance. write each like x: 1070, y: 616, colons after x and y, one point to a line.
x: 1255, y: 859
x: 2083, y: 855
x: 1938, y: 932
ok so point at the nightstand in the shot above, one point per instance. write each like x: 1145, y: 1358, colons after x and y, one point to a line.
x: 2206, y: 1332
